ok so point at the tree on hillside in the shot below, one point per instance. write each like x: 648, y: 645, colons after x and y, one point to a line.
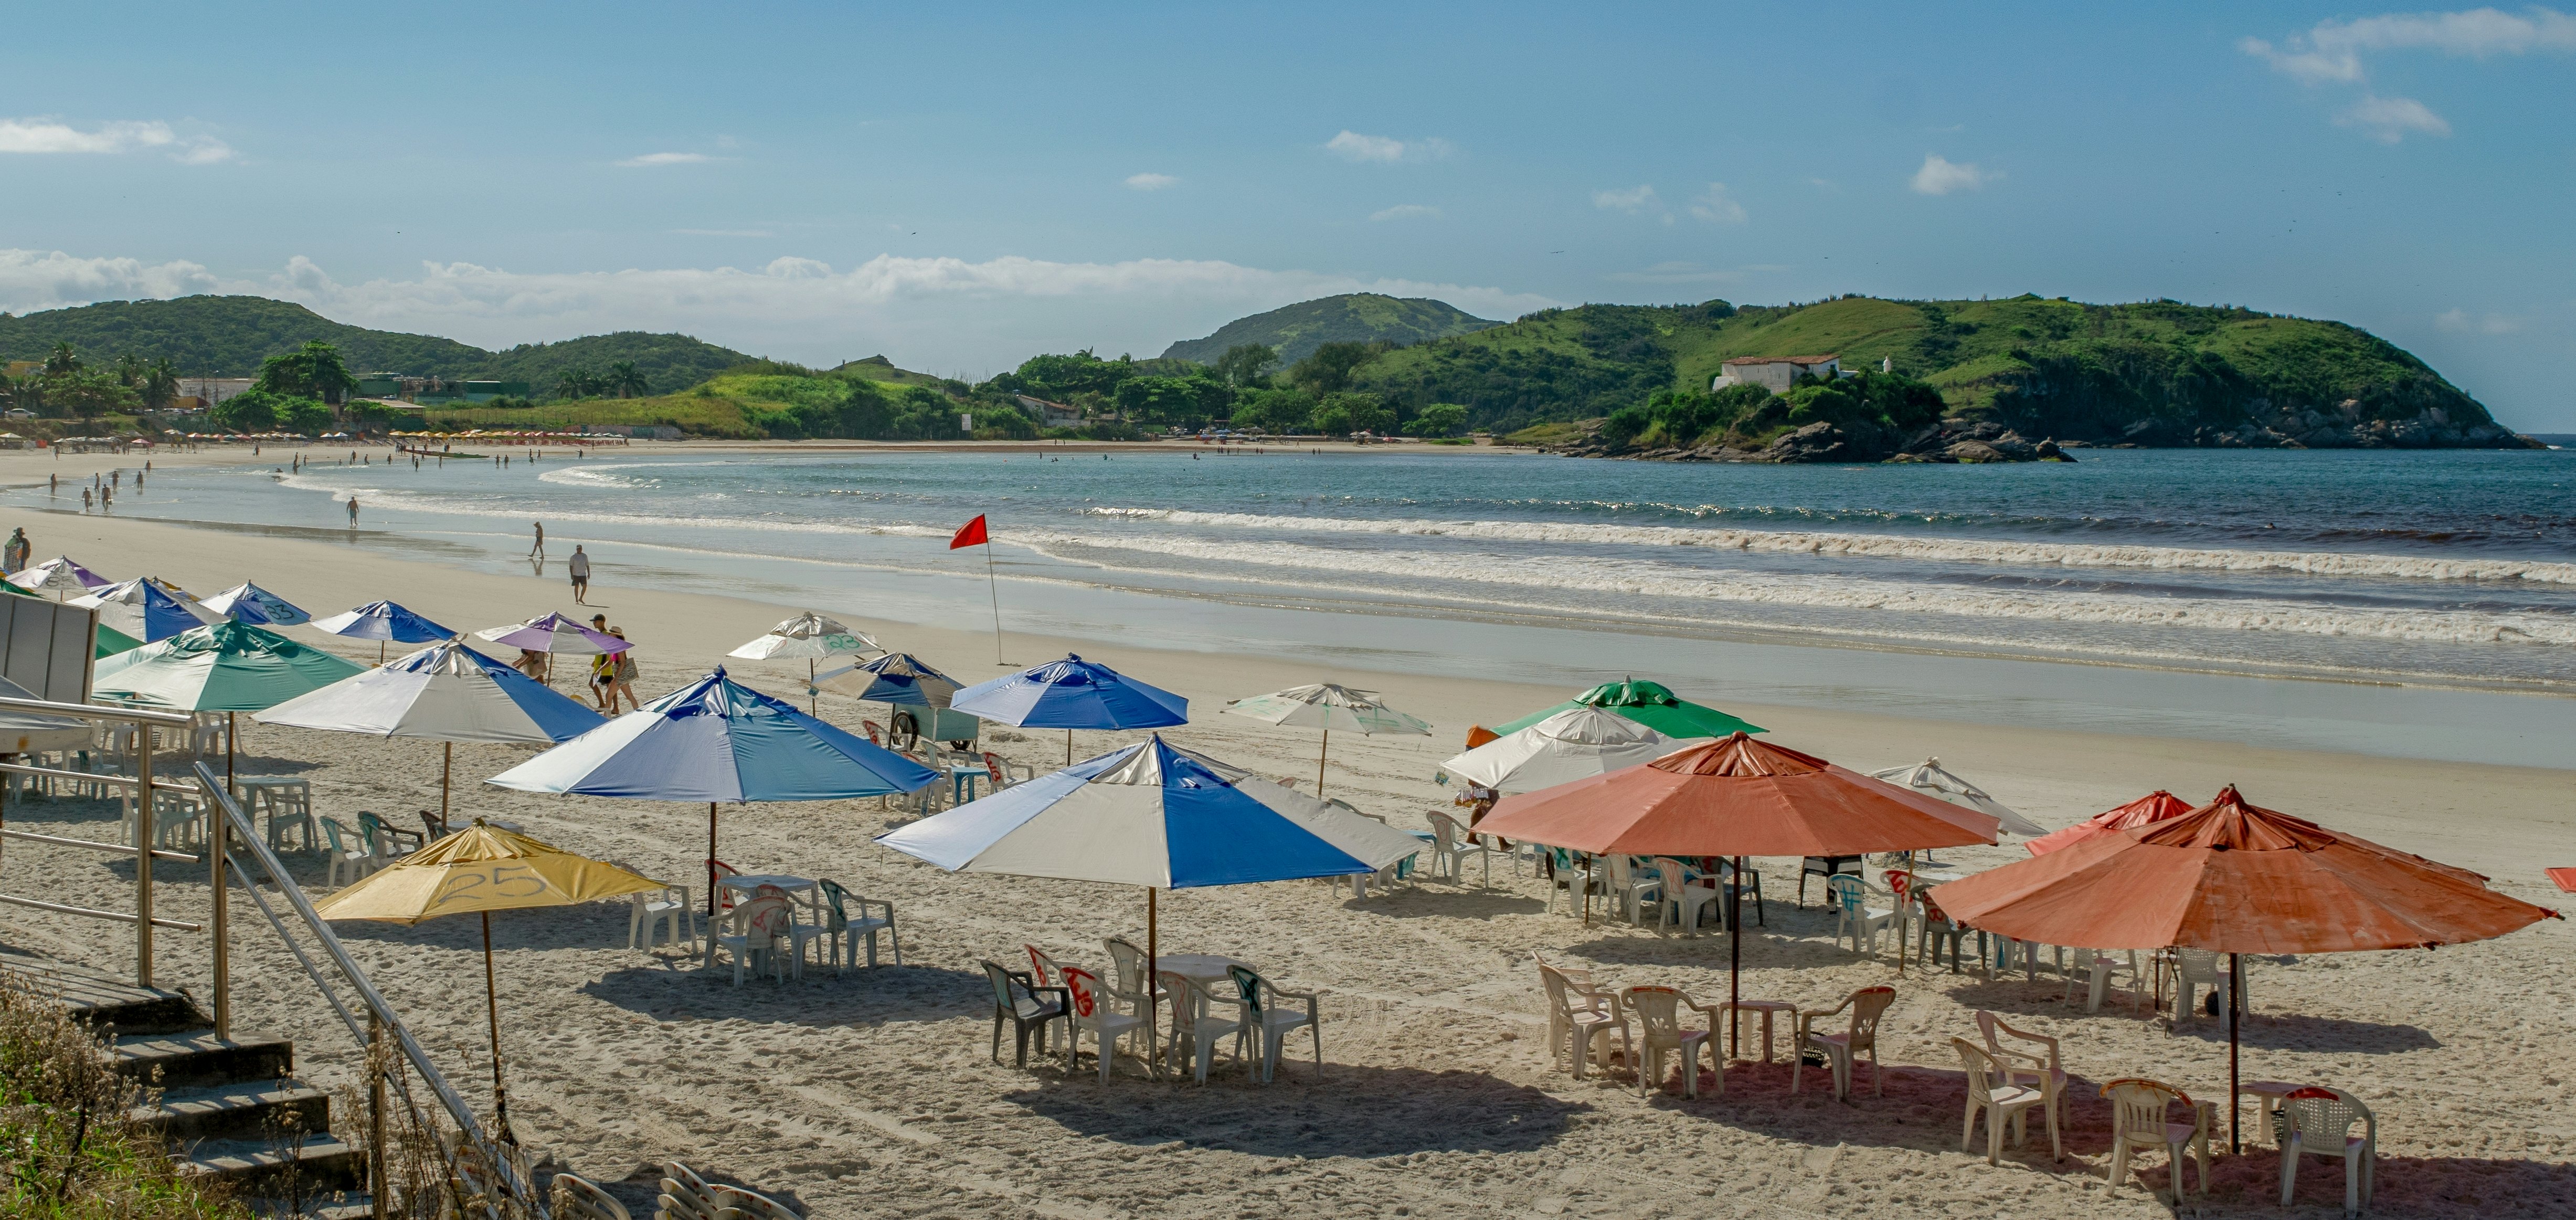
x: 86, y: 393
x: 1438, y: 419
x: 311, y: 371
x: 63, y: 359
x: 577, y: 382
x: 160, y: 384
x: 625, y: 382
x: 129, y: 371
x: 1329, y: 370
x: 24, y: 393
x: 1245, y: 364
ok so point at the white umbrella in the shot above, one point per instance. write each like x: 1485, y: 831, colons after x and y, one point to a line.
x: 1328, y: 706
x: 247, y: 600
x: 60, y: 577
x: 808, y: 636
x: 1927, y: 776
x: 445, y: 693
x: 1574, y: 744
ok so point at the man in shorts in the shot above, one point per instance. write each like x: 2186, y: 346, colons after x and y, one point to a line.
x: 579, y: 567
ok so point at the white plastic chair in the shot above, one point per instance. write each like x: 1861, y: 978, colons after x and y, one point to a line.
x: 2103, y: 969
x: 1196, y: 1027
x: 1867, y: 1005
x: 1128, y: 984
x: 1627, y: 890
x: 2139, y: 1119
x: 1097, y: 1019
x: 1659, y: 1027
x: 751, y: 933
x: 2319, y: 1122
x: 1579, y: 1019
x: 2199, y: 970
x: 840, y: 931
x: 357, y: 861
x: 1451, y: 845
x: 1853, y: 916
x: 1271, y: 1022
x: 578, y: 1199
x: 289, y: 808
x: 668, y: 910
x: 1990, y: 1094
x: 1681, y: 900
x: 2046, y: 1073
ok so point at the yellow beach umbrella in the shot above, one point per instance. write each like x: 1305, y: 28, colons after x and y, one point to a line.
x: 476, y: 871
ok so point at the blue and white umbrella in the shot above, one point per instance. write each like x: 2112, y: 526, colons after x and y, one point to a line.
x: 716, y: 740
x: 447, y: 693
x: 896, y: 677
x: 58, y: 576
x: 142, y: 608
x: 382, y: 622
x: 1153, y: 815
x: 1072, y: 694
x: 252, y: 604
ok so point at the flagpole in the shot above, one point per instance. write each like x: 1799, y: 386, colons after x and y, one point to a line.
x: 993, y: 585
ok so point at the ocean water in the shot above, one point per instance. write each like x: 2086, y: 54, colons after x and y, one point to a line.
x: 2268, y: 585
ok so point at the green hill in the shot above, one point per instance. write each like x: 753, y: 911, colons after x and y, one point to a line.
x: 2044, y: 367
x: 229, y: 336
x: 1362, y: 317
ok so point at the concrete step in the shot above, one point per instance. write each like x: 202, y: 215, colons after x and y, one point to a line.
x: 102, y: 1001
x: 340, y: 1205
x: 321, y: 1165
x: 234, y: 1111
x: 190, y: 1060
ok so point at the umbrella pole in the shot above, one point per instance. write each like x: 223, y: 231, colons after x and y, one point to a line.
x: 813, y: 700
x: 446, y: 772
x: 1068, y: 747
x: 230, y: 727
x: 1900, y: 914
x: 2235, y: 990
x: 711, y: 879
x: 492, y: 1014
x: 1320, y: 755
x: 380, y: 654
x: 1735, y: 965
x: 1153, y: 970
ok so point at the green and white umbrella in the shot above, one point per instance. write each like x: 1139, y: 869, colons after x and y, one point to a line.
x: 1648, y: 703
x: 1329, y: 706
x: 809, y: 637
x: 223, y: 667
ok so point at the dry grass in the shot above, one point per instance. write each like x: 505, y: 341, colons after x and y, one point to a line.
x: 67, y: 1147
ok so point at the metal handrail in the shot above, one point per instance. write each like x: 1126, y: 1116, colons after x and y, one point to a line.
x: 143, y: 721
x: 92, y: 711
x: 237, y: 824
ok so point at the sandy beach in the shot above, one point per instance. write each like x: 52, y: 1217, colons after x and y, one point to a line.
x: 870, y: 1093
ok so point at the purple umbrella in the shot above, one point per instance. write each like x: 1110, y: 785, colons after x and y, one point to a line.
x: 554, y: 633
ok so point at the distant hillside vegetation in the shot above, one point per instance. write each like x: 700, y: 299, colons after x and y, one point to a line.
x: 229, y: 336
x: 1357, y: 317
x: 2158, y: 372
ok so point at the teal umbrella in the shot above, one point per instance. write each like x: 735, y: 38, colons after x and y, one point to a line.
x: 226, y: 667
x: 1648, y: 703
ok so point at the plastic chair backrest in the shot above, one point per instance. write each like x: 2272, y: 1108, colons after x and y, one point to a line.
x: 1658, y: 1009
x: 993, y: 769
x: 1080, y: 983
x: 1444, y: 832
x: 1045, y: 971
x: 876, y: 736
x: 1847, y: 890
x: 2199, y: 963
x: 2138, y: 1108
x: 1186, y: 999
x: 1669, y: 871
x: 332, y: 830
x: 1128, y: 962
x: 837, y: 917
x: 1897, y: 881
x: 581, y: 1200
x: 1003, y: 1000
x: 1868, y: 1005
x: 2324, y: 1117
x: 1980, y: 1066
x: 1555, y: 984
x: 768, y: 915
x: 1248, y: 985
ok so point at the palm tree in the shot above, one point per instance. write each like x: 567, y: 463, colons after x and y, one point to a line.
x: 63, y: 359
x: 160, y: 384
x: 625, y: 381
x: 575, y: 382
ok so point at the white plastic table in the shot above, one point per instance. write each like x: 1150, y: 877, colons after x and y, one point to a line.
x: 747, y: 884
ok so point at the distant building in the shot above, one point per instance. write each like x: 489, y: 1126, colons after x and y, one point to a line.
x: 215, y: 389
x: 1050, y: 414
x: 1778, y: 373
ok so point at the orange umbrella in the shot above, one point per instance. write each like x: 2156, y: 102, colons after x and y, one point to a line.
x: 1736, y: 797
x: 2155, y: 806
x: 2235, y: 878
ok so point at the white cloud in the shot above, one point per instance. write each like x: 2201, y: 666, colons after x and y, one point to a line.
x: 1407, y: 211
x: 1940, y: 176
x: 2332, y: 53
x: 2388, y: 119
x: 1150, y: 182
x: 928, y: 313
x: 662, y: 158
x: 1633, y: 200
x: 54, y: 136
x: 1353, y: 146
x: 1716, y: 206
x: 2458, y: 320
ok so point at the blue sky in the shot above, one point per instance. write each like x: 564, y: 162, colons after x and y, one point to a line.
x: 959, y: 188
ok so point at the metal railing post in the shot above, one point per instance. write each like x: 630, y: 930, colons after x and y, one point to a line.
x: 219, y: 838
x: 143, y: 843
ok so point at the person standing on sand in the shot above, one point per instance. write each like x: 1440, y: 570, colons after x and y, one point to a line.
x: 603, y: 681
x: 353, y: 512
x: 84, y: 499
x: 579, y: 567
x: 13, y: 556
x: 538, y: 552
x: 622, y: 675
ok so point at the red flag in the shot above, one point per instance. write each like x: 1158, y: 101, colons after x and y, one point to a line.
x: 970, y: 534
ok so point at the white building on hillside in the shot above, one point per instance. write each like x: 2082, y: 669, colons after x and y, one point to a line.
x: 1777, y: 373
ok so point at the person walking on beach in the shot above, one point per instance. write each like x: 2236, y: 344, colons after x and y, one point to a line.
x: 622, y: 675
x: 538, y: 552
x: 353, y: 512
x: 603, y: 681
x: 13, y: 556
x: 84, y: 499
x: 106, y: 497
x: 579, y: 567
